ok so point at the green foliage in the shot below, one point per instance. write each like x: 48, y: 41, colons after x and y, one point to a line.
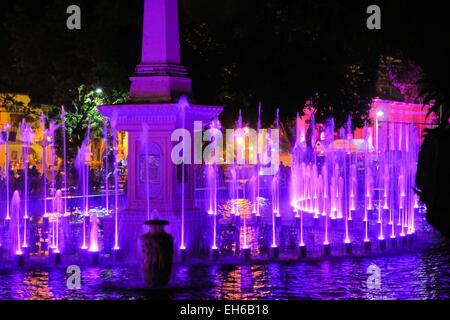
x: 434, y: 92
x: 83, y: 110
x: 19, y: 110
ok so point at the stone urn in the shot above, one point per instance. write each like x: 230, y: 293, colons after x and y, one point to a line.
x: 157, y: 254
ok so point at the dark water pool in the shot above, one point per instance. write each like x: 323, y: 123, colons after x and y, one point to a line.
x: 418, y: 275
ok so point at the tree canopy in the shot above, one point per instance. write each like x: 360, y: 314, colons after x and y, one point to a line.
x: 239, y: 53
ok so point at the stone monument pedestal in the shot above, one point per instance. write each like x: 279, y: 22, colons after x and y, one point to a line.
x: 156, y: 86
x: 164, y: 176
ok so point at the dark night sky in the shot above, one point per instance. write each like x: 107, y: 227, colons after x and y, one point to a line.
x: 428, y: 22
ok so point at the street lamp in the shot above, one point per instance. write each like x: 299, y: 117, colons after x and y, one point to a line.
x: 379, y: 114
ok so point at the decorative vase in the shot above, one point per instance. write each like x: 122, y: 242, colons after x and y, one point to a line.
x: 157, y: 254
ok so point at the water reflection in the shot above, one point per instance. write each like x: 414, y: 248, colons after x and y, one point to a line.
x: 420, y: 275
x: 32, y: 286
x: 242, y: 283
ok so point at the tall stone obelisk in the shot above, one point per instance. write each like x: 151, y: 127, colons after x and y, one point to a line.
x: 160, y: 77
x: 156, y: 86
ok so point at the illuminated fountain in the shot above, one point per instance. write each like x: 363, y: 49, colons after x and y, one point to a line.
x: 296, y: 183
x: 93, y: 236
x: 234, y: 167
x: 58, y: 212
x: 368, y: 187
x: 212, y: 183
x: 6, y: 128
x: 51, y: 138
x: 343, y: 196
x: 116, y: 186
x: 276, y: 215
x: 66, y: 190
x: 330, y: 180
x: 233, y: 190
x: 258, y: 165
x: 106, y: 160
x: 82, y: 163
x: 312, y: 170
x: 341, y: 193
x: 15, y: 245
x: 45, y: 142
x: 242, y: 213
x: 340, y: 190
x: 182, y: 105
x: 27, y: 136
x: 343, y: 185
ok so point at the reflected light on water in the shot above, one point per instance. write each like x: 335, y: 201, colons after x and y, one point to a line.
x: 35, y: 286
x: 418, y: 275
